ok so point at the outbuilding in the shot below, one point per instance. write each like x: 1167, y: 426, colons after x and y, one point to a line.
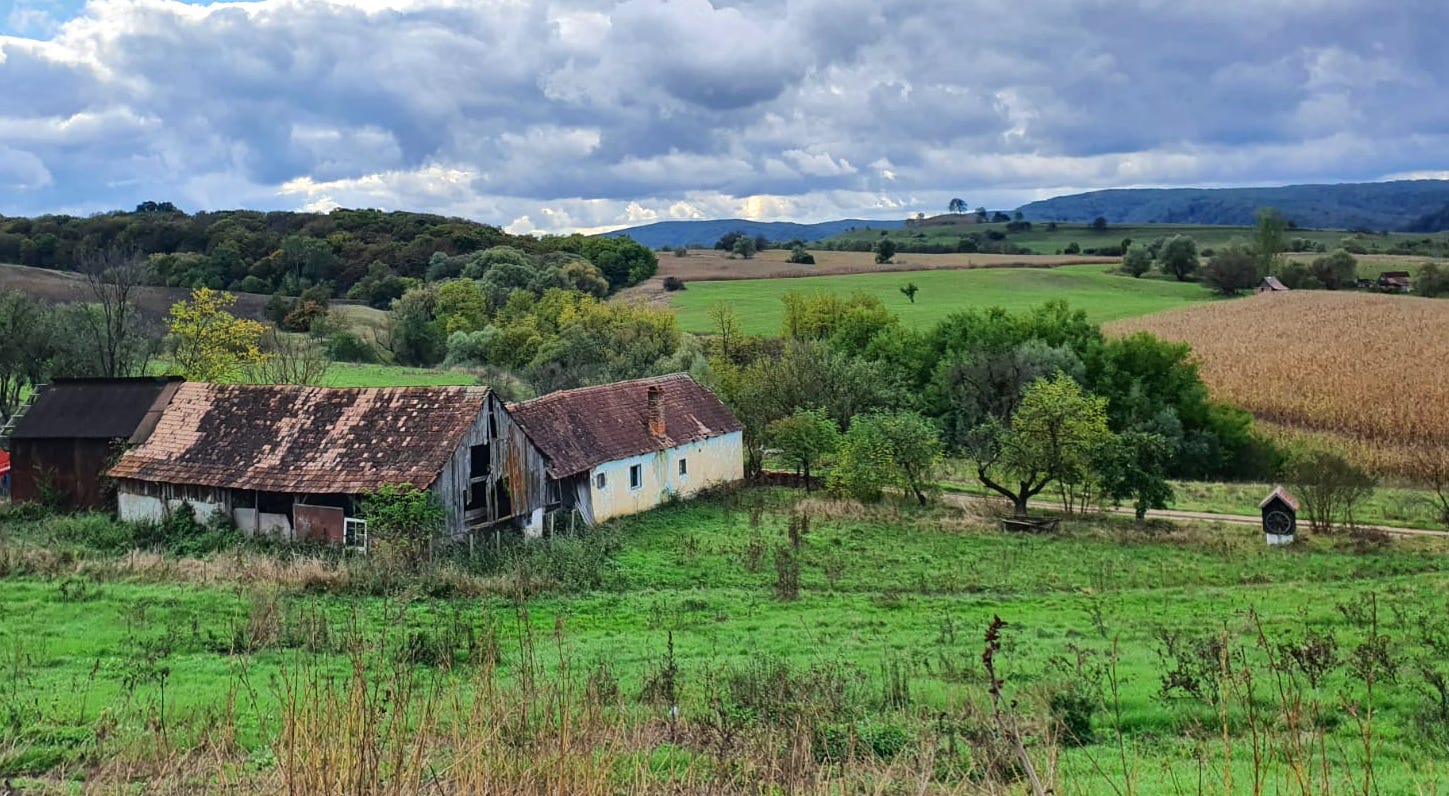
x: 1270, y: 284
x: 62, y: 442
x: 295, y: 461
x: 624, y: 448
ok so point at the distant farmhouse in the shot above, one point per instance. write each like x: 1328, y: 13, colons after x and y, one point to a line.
x: 624, y: 448
x: 295, y: 461
x: 1270, y: 284
x: 1396, y: 281
x: 62, y: 442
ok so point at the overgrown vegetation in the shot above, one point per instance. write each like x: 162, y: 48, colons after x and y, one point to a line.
x: 884, y: 647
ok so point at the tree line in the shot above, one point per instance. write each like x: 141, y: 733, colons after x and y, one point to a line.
x: 1032, y: 401
x: 290, y: 252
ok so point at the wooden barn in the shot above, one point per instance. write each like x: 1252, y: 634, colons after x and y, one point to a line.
x: 295, y: 461
x: 623, y: 448
x: 1270, y: 284
x: 62, y: 442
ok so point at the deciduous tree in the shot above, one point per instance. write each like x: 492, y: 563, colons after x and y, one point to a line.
x: 1179, y: 257
x: 1057, y: 432
x: 208, y: 343
x: 804, y: 438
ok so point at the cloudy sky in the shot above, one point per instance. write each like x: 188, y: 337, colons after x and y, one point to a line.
x: 556, y: 115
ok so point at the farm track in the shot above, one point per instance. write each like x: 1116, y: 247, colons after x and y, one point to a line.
x: 976, y: 501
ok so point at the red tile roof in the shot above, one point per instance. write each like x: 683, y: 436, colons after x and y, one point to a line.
x: 583, y: 428
x: 304, y: 439
x: 1282, y: 494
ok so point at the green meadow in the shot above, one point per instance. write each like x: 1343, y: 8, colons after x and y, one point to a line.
x: 1103, y: 295
x: 1150, y: 646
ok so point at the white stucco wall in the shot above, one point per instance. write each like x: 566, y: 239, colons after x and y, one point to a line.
x: 713, y: 461
x: 134, y: 507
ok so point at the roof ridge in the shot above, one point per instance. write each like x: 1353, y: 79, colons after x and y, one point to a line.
x: 572, y: 391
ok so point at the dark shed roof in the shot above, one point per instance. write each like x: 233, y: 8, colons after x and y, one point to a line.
x: 580, y: 429
x: 304, y: 440
x: 94, y: 408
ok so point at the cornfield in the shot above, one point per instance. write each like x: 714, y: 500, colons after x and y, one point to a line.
x: 1366, y: 373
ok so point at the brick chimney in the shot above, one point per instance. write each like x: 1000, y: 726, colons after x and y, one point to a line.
x: 656, y: 411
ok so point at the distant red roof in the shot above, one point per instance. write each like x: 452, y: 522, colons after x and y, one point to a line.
x: 583, y: 428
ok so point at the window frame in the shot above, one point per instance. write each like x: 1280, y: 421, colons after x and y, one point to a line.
x: 683, y: 467
x: 601, y: 481
x: 636, y: 476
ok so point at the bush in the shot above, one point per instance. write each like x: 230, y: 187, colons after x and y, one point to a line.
x: 799, y: 256
x: 672, y: 283
x: 344, y: 346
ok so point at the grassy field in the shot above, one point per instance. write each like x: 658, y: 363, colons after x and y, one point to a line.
x: 349, y: 374
x: 1103, y: 295
x: 1177, y: 639
x: 1042, y: 240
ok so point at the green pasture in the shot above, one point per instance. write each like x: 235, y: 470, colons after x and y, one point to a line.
x: 1103, y: 295
x: 1042, y: 240
x: 896, y: 590
x: 349, y: 374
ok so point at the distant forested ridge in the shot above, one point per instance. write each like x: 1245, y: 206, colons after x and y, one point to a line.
x: 703, y: 234
x: 289, y: 252
x: 1407, y: 205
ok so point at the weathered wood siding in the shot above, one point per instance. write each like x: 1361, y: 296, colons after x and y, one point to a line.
x: 513, y: 461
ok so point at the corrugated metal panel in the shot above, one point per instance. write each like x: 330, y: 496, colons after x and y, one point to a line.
x: 318, y: 523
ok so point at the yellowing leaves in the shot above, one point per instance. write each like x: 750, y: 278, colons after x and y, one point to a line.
x: 208, y: 343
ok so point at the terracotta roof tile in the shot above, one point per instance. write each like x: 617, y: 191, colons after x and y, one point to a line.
x: 583, y: 428
x: 304, y: 439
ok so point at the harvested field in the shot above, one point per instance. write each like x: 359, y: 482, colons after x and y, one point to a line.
x: 708, y: 265
x: 155, y: 302
x: 1367, y: 373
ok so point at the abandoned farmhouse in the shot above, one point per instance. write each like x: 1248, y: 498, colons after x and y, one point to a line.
x: 295, y: 462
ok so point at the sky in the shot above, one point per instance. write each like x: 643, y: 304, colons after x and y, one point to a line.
x: 564, y: 115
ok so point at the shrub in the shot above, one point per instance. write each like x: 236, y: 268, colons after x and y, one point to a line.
x: 345, y: 346
x: 680, y: 251
x: 672, y: 283
x: 799, y: 256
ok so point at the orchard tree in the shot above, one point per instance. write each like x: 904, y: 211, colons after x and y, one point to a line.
x: 1137, y: 260
x: 1056, y: 433
x: 885, y: 251
x: 1335, y: 271
x: 910, y: 290
x: 1179, y: 257
x: 208, y: 343
x: 1232, y: 269
x: 897, y: 449
x: 1133, y: 467
x: 957, y: 205
x: 804, y: 438
x: 744, y: 246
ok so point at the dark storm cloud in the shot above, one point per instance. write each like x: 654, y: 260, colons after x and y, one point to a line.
x: 583, y: 113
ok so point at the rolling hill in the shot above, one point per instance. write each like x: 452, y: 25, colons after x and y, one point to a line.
x: 1417, y: 205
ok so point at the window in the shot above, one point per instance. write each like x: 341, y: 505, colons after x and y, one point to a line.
x: 684, y: 467
x: 600, y: 481
x: 636, y: 476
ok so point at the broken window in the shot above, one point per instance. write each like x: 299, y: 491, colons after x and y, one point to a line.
x: 600, y: 481
x: 480, y: 463
x: 477, y: 496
